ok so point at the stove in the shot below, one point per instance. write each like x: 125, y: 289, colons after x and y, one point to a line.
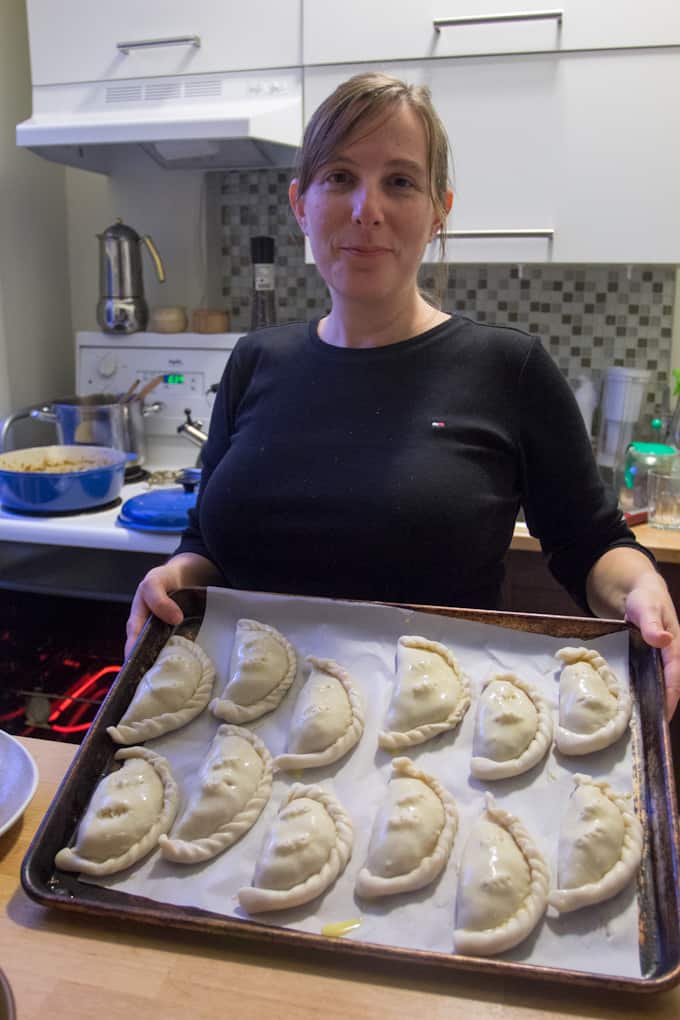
x: 66, y: 582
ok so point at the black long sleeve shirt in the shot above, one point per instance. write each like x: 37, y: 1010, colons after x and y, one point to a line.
x: 396, y: 473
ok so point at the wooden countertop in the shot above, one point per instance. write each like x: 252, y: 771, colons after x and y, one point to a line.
x: 665, y: 545
x: 65, y: 967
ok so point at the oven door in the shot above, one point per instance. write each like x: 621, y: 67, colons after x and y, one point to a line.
x: 62, y: 630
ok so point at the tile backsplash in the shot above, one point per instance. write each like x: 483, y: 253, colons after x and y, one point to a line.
x: 589, y: 316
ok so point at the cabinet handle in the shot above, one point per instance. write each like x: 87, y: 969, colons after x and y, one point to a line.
x: 532, y: 232
x: 483, y: 19
x: 177, y: 40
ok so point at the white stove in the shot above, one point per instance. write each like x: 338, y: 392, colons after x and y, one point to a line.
x: 191, y: 363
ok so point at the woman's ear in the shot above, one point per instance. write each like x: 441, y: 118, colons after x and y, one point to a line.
x: 297, y: 204
x: 440, y: 225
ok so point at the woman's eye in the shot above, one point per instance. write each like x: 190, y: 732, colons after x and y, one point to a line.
x: 402, y: 182
x: 337, y: 177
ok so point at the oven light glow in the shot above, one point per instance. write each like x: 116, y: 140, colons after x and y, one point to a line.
x: 173, y: 379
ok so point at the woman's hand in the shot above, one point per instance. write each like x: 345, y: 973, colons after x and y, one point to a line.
x: 624, y: 582
x: 153, y: 593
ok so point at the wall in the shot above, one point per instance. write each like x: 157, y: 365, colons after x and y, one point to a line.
x: 168, y: 205
x: 589, y: 317
x: 36, y: 359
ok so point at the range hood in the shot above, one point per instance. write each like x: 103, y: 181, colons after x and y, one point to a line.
x: 184, y: 122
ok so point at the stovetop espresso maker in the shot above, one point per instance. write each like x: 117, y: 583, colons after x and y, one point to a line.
x: 122, y: 307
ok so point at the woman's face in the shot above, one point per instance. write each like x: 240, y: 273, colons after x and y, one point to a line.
x: 368, y: 212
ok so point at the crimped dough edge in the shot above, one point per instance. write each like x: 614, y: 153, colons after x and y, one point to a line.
x: 254, y: 899
x: 538, y: 747
x: 394, y: 740
x: 491, y: 941
x: 347, y: 740
x: 618, y: 877
x: 69, y: 860
x: 570, y: 743
x: 183, y: 851
x: 156, y: 726
x: 230, y: 711
x: 372, y: 886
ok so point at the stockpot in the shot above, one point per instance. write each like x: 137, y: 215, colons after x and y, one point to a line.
x: 99, y: 419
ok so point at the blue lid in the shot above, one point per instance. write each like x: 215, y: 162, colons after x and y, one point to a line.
x: 158, y: 510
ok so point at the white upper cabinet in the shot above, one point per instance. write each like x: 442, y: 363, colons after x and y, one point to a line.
x: 81, y: 40
x: 363, y: 30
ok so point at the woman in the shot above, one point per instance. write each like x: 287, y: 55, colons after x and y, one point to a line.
x: 383, y: 452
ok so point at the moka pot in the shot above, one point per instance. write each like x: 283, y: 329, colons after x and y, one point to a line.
x: 122, y: 307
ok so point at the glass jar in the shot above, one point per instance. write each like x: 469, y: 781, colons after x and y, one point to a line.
x: 639, y: 459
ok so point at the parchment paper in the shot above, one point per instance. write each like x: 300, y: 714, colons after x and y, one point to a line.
x: 363, y: 637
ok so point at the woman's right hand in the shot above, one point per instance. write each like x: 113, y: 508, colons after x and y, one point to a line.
x: 153, y: 593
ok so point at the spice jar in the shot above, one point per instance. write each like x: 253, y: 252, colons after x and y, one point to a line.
x: 264, y: 294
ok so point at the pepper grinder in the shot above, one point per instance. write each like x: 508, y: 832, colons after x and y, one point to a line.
x: 264, y: 295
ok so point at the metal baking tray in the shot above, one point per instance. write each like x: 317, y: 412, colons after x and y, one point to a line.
x: 658, y: 883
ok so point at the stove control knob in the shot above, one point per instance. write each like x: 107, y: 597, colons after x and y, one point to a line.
x: 107, y: 365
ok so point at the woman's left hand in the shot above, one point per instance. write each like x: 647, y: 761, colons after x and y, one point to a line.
x: 624, y: 578
x: 650, y: 607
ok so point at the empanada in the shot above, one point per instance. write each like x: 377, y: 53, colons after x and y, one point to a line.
x: 513, y: 728
x: 412, y: 834
x: 263, y: 666
x: 328, y: 718
x: 173, y: 692
x: 431, y: 694
x: 595, y: 706
x: 306, y: 849
x: 234, y: 784
x: 600, y: 846
x: 502, y: 885
x: 130, y: 808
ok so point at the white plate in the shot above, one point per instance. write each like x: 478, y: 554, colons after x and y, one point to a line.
x: 18, y: 780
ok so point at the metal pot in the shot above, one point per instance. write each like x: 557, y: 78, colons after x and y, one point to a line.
x: 122, y: 307
x: 100, y: 419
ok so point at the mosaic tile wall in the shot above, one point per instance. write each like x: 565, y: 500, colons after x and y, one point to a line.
x: 589, y: 317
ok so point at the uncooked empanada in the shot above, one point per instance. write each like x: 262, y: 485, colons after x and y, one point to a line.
x: 234, y: 784
x: 306, y: 849
x: 328, y: 718
x: 595, y: 705
x: 513, y: 728
x: 600, y: 846
x: 173, y: 692
x: 502, y: 885
x: 130, y: 808
x: 412, y: 834
x: 431, y: 694
x: 263, y: 666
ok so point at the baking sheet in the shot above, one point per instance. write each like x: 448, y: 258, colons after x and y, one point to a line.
x: 362, y: 637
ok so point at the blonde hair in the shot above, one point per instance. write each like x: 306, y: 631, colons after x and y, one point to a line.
x: 364, y: 97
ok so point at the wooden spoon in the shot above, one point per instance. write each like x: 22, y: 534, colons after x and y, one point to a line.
x: 151, y: 385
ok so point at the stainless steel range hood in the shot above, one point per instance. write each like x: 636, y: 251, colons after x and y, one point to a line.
x: 194, y: 122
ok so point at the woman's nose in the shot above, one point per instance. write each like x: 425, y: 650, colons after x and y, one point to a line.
x: 366, y: 206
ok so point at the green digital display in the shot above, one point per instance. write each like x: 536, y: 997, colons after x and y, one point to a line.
x: 173, y: 380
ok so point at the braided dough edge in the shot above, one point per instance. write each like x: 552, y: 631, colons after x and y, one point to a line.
x: 346, y: 740
x: 69, y: 860
x: 230, y: 711
x: 156, y: 726
x: 185, y: 851
x: 614, y: 880
x: 254, y: 899
x: 496, y: 940
x: 371, y: 885
x: 394, y: 740
x: 570, y: 743
x: 536, y: 749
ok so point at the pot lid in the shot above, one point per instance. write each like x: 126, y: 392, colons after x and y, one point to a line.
x: 165, y: 510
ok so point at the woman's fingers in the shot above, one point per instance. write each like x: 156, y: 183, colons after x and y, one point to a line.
x: 152, y: 597
x: 654, y: 613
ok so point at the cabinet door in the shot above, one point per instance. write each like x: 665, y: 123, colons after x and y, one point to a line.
x: 373, y: 30
x: 79, y: 40
x: 618, y: 174
x: 502, y: 119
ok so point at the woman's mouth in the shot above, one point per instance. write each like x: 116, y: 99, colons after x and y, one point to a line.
x: 364, y: 251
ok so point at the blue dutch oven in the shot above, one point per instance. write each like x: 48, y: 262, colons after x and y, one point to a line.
x: 60, y: 479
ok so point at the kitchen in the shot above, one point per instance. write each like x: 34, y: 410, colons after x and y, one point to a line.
x: 617, y: 274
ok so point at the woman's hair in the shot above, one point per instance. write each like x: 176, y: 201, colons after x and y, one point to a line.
x: 364, y: 97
